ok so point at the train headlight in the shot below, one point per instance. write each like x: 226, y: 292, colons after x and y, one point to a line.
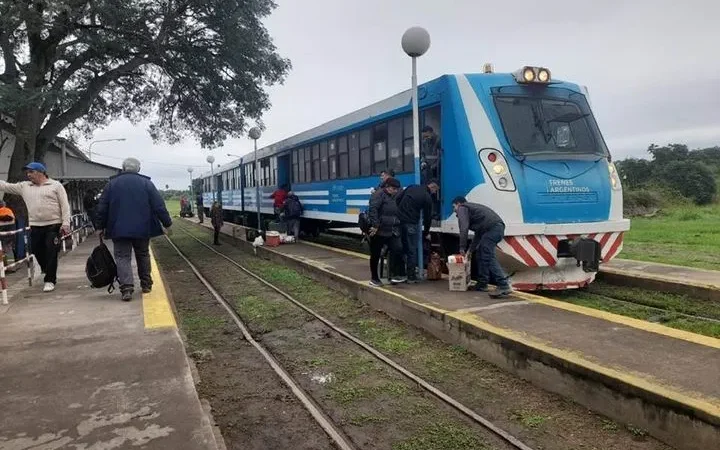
x: 543, y: 75
x: 498, y: 169
x: 502, y: 182
x: 528, y: 74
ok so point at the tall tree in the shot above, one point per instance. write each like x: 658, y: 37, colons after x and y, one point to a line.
x: 191, y: 67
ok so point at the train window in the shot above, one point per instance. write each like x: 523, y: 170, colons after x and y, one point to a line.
x: 332, y: 159
x: 365, y: 153
x: 395, y: 150
x: 407, y: 127
x: 315, y: 162
x: 301, y: 165
x: 408, y: 157
x: 343, y: 157
x: 308, y: 164
x: 295, y: 167
x: 380, y: 148
x: 354, y: 155
x: 324, y: 160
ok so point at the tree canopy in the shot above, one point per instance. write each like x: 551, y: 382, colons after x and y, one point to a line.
x: 191, y: 67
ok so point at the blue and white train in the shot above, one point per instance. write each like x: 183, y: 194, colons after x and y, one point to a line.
x: 522, y: 143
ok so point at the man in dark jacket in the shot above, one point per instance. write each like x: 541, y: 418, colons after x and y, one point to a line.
x: 291, y: 211
x: 385, y: 230
x: 413, y: 200
x: 200, y: 207
x: 130, y: 212
x: 489, y: 230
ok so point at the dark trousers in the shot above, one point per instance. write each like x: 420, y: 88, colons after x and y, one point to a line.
x: 293, y: 226
x: 122, y: 250
x: 409, y: 234
x: 45, y: 245
x: 395, y: 250
x: 216, y: 235
x: 488, y: 267
x: 200, y: 212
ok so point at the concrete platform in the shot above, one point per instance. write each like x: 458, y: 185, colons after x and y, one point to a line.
x: 655, y: 377
x: 81, y: 369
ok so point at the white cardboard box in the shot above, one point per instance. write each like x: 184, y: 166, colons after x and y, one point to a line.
x: 459, y: 276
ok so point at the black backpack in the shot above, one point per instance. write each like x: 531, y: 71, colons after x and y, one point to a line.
x: 100, y: 268
x: 293, y: 208
x: 364, y: 222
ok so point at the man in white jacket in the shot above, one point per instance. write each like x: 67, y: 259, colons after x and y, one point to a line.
x: 48, y: 214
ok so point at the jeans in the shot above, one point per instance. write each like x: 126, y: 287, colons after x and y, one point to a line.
x: 45, y: 244
x: 201, y: 212
x: 216, y: 235
x: 488, y: 267
x: 409, y: 233
x: 122, y: 249
x: 395, y: 247
x: 293, y: 225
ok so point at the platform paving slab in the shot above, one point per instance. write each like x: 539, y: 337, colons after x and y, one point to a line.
x: 79, y: 370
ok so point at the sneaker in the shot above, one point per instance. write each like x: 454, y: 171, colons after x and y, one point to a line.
x: 481, y: 288
x: 126, y: 295
x: 146, y: 289
x: 398, y: 280
x: 376, y: 283
x: 501, y: 292
x: 49, y: 287
x: 412, y: 280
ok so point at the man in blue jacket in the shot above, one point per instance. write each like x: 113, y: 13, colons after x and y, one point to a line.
x: 130, y: 212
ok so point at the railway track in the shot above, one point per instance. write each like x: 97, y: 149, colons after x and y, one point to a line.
x: 334, y: 432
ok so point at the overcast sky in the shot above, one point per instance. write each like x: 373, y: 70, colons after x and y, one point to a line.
x: 652, y: 67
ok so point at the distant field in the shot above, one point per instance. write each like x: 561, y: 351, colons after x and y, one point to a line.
x: 687, y: 236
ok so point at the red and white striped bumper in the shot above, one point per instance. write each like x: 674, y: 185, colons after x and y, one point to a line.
x: 541, y: 250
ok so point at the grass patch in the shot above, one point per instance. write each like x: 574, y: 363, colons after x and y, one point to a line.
x: 528, y: 419
x: 199, y: 327
x: 686, y: 236
x: 262, y: 313
x: 365, y: 419
x: 383, y: 337
x: 443, y: 436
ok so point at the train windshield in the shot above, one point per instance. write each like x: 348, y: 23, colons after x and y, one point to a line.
x: 548, y: 125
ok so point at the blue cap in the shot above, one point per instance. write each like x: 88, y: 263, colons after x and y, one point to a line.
x: 36, y: 166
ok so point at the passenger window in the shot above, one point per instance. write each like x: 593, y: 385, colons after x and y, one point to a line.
x: 365, y: 153
x: 380, y: 148
x: 296, y: 171
x: 324, y: 160
x: 301, y: 165
x: 332, y: 158
x: 316, y: 162
x: 308, y: 165
x: 354, y: 155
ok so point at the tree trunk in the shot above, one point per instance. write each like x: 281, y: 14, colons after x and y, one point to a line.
x: 27, y: 126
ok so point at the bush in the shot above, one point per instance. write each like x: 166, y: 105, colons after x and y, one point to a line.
x: 691, y: 179
x: 641, y: 202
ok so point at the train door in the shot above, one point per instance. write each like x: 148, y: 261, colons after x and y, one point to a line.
x: 431, y: 156
x: 283, y: 170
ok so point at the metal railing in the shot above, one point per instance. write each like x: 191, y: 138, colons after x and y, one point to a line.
x: 80, y: 227
x: 29, y: 259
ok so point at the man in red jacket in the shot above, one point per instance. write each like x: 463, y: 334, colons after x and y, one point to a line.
x: 279, y: 197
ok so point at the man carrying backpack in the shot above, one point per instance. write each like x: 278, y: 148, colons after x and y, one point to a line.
x: 410, y: 202
x: 131, y: 211
x: 292, y: 210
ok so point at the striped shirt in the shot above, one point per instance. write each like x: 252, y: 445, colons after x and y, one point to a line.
x: 47, y: 203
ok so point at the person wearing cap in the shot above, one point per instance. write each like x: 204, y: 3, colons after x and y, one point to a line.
x: 130, y: 212
x: 48, y: 214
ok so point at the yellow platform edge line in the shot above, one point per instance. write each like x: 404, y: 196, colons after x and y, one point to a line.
x: 156, y: 305
x: 584, y: 310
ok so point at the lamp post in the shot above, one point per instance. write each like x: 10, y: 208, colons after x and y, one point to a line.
x: 101, y: 140
x: 416, y: 42
x: 254, y: 134
x: 190, y: 171
x: 211, y: 159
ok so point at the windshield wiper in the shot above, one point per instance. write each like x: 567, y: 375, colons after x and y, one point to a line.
x: 569, y: 118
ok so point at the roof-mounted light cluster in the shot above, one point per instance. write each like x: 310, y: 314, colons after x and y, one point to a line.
x: 532, y: 75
